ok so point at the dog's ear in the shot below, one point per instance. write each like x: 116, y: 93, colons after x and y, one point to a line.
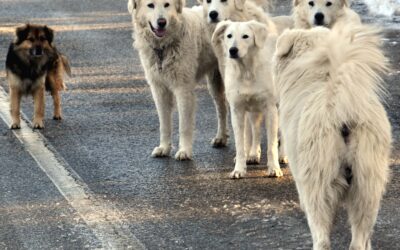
x: 344, y: 3
x: 260, y: 33
x: 200, y: 1
x: 239, y: 4
x: 219, y: 32
x: 49, y: 34
x: 22, y: 33
x: 285, y: 43
x: 132, y: 5
x: 296, y: 2
x: 179, y: 4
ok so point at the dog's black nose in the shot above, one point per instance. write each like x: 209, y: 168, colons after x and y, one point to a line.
x: 161, y: 22
x: 319, y: 18
x: 234, y: 52
x: 213, y: 15
x: 36, y: 51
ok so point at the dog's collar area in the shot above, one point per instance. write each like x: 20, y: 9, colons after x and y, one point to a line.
x: 160, y: 55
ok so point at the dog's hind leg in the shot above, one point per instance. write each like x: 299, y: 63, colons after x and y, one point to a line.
x: 186, y: 102
x: 215, y: 86
x: 15, y: 101
x: 57, y: 104
x: 272, y: 122
x: 163, y: 99
x: 254, y: 154
x: 369, y: 177
x: 283, y: 159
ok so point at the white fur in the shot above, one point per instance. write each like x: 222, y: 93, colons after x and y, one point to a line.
x: 328, y: 80
x: 338, y: 12
x: 250, y: 90
x: 186, y: 58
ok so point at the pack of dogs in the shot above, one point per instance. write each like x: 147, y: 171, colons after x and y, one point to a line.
x: 313, y: 78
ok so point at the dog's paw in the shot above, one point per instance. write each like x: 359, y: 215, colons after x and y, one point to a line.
x: 57, y: 117
x: 274, y: 172
x: 15, y: 126
x: 38, y: 125
x: 237, y: 174
x: 161, y: 152
x: 219, y: 142
x: 183, y: 155
x: 253, y: 160
x: 283, y: 160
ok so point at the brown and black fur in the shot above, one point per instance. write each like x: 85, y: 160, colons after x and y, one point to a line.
x: 34, y: 65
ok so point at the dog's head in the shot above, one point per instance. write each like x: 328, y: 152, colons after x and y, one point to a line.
x: 158, y: 16
x: 220, y: 10
x: 240, y: 39
x: 34, y: 40
x: 318, y: 12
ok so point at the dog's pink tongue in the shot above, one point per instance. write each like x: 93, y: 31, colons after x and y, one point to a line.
x: 160, y: 32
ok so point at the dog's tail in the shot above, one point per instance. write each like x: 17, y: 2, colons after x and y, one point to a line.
x: 65, y: 63
x: 356, y: 60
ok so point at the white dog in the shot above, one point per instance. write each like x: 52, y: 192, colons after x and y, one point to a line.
x: 241, y: 10
x: 311, y: 13
x: 175, y: 52
x: 337, y: 130
x: 248, y: 48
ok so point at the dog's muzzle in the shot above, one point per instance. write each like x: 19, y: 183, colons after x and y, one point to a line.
x: 36, y: 51
x: 160, y: 31
x: 319, y: 19
x: 213, y: 16
x: 234, y: 52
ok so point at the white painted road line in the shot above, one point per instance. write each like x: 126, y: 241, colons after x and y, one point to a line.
x: 106, y: 222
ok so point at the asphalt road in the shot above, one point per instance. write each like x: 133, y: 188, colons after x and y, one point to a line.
x: 105, y: 141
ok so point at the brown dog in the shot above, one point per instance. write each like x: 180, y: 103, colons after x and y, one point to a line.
x: 34, y: 65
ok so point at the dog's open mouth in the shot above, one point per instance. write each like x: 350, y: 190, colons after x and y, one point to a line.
x: 160, y: 32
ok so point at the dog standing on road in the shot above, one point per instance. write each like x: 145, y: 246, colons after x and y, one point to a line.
x: 34, y: 65
x: 175, y: 52
x: 338, y: 133
x: 248, y: 48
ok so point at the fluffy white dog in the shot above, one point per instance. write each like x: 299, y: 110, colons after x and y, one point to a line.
x: 337, y: 130
x: 311, y: 13
x: 248, y: 48
x: 175, y: 52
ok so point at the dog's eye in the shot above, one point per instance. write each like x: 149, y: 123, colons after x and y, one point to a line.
x: 311, y: 3
x: 208, y: 1
x: 328, y: 4
x: 223, y: 1
x: 166, y: 5
x: 245, y: 36
x: 229, y: 36
x: 150, y: 5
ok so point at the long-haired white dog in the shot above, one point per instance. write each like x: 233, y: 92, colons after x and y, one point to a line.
x: 248, y: 48
x: 338, y: 133
x: 175, y: 52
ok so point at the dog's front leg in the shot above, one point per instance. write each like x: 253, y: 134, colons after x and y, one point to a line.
x: 15, y: 100
x: 215, y: 86
x: 186, y: 102
x: 163, y: 99
x: 272, y: 123
x: 39, y: 103
x: 57, y: 104
x: 238, y: 120
x: 254, y: 155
